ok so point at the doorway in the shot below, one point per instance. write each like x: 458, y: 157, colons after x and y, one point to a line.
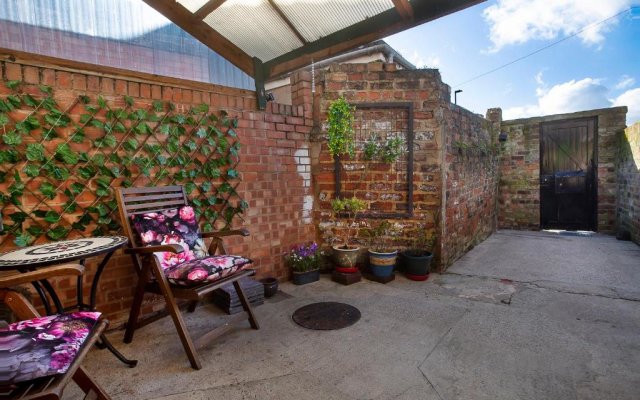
x: 568, y: 174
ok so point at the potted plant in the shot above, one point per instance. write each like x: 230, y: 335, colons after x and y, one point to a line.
x: 304, y: 263
x: 416, y: 260
x: 346, y: 254
x: 340, y: 131
x: 382, y: 254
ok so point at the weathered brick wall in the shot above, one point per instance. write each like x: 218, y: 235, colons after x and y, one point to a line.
x: 274, y: 164
x: 375, y: 83
x: 628, y: 211
x: 471, y: 176
x: 519, y: 186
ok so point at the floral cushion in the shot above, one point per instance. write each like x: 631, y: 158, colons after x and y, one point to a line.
x: 174, y: 226
x: 206, y: 269
x: 43, y: 346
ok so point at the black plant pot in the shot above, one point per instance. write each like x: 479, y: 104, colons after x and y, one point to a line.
x: 416, y: 264
x: 302, y: 278
x: 270, y: 286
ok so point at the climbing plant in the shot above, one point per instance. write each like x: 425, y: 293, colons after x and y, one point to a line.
x: 59, y: 165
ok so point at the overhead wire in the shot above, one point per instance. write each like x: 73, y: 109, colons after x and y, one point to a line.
x: 545, y: 47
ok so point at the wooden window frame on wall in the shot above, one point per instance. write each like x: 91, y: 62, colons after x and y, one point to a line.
x: 409, y: 140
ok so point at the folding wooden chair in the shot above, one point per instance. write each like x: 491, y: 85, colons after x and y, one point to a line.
x: 168, y: 252
x: 39, y: 355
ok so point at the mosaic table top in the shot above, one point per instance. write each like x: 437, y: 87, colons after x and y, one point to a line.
x: 60, y: 252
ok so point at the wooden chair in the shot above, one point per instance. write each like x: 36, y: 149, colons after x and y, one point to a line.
x: 52, y: 386
x: 141, y: 205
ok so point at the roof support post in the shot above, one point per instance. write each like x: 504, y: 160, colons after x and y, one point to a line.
x: 258, y: 77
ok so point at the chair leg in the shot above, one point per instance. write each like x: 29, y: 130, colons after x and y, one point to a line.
x: 89, y: 386
x: 192, y: 306
x: 135, y: 307
x: 246, y: 305
x: 181, y: 327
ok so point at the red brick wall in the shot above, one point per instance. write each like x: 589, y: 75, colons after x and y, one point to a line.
x: 519, y: 187
x: 628, y: 213
x: 274, y: 165
x: 471, y: 177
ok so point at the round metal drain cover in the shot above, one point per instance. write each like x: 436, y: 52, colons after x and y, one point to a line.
x: 326, y: 316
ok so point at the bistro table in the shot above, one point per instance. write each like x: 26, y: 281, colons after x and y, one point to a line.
x: 45, y: 255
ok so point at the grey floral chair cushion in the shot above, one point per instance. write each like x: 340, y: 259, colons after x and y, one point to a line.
x: 43, y: 346
x: 194, y: 265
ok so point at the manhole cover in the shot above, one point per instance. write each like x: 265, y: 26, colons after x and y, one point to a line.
x: 326, y: 316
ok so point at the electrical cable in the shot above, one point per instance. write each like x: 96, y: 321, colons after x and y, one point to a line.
x: 543, y: 48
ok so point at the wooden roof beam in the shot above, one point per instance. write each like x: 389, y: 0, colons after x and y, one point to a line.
x: 404, y: 8
x: 288, y: 22
x: 207, y: 9
x: 204, y: 33
x: 377, y: 27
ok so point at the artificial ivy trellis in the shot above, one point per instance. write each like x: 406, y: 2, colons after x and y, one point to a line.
x: 58, y: 165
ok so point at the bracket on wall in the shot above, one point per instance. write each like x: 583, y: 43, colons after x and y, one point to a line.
x: 258, y: 71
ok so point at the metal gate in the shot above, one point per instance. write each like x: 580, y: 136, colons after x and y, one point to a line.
x: 568, y: 174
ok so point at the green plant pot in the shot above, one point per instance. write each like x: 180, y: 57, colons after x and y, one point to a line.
x: 302, y: 278
x: 382, y: 264
x: 345, y: 258
x: 416, y: 264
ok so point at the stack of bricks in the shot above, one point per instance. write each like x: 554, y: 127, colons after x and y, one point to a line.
x: 274, y: 163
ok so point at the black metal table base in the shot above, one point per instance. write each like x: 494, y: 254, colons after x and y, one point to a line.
x: 105, y: 343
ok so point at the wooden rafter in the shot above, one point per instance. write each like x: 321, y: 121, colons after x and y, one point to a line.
x: 287, y: 21
x: 207, y: 9
x: 404, y: 8
x: 377, y: 27
x: 204, y: 33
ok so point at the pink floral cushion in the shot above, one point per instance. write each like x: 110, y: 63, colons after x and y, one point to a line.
x: 43, y: 346
x: 174, y: 226
x: 206, y: 269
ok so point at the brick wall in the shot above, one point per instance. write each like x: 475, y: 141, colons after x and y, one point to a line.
x: 519, y: 186
x: 471, y: 176
x: 274, y: 164
x: 378, y: 82
x: 448, y: 188
x: 628, y: 211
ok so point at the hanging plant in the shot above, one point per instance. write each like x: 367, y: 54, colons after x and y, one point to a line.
x: 340, y: 128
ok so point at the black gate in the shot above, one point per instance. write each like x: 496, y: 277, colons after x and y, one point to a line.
x: 568, y: 174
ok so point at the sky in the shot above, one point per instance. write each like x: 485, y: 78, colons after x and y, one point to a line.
x: 594, y: 64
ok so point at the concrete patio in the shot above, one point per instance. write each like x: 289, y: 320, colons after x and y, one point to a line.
x: 525, y: 315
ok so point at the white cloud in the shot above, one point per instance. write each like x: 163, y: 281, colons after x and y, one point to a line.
x: 585, y: 94
x: 631, y: 99
x: 625, y: 82
x: 421, y: 61
x: 573, y: 96
x: 518, y: 21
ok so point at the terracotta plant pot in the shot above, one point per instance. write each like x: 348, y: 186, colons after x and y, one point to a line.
x: 345, y: 258
x: 302, y: 278
x: 382, y: 264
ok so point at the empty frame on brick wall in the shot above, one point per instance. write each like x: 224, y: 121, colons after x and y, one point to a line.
x: 386, y: 186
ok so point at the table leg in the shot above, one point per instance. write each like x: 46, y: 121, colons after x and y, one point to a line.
x: 53, y: 295
x: 79, y: 294
x: 106, y: 343
x: 43, y: 297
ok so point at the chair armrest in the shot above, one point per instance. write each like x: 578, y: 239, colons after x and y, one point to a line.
x: 172, y: 248
x: 19, y: 278
x: 235, y: 232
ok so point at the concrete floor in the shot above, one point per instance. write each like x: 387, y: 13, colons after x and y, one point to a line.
x: 524, y: 315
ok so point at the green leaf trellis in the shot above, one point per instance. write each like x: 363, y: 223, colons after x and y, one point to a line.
x: 59, y: 165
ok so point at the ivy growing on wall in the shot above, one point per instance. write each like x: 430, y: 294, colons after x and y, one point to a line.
x: 59, y: 165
